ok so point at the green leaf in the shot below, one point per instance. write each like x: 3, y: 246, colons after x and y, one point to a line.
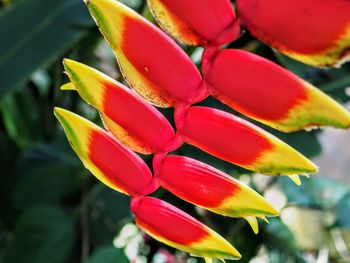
x: 277, y: 236
x: 108, y: 254
x: 343, y: 212
x: 47, y: 175
x: 34, y: 33
x: 109, y: 211
x: 42, y: 234
x: 9, y: 154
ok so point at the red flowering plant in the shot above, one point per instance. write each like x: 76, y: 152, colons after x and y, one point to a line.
x: 161, y: 74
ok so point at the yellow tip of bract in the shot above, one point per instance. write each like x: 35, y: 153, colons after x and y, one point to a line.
x: 86, y: 80
x: 253, y: 222
x: 68, y: 86
x: 295, y: 178
x: 290, y: 161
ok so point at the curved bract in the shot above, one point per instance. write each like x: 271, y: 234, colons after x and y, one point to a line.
x: 314, y: 32
x: 207, y: 187
x: 235, y: 140
x: 152, y: 63
x: 111, y: 162
x: 197, y: 22
x: 127, y: 116
x: 175, y: 228
x: 264, y: 91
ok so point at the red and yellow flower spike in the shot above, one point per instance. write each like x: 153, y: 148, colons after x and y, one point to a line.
x: 264, y: 91
x: 197, y: 22
x: 120, y: 108
x: 235, y: 140
x: 152, y: 63
x: 175, y: 228
x: 209, y: 188
x: 314, y: 32
x: 111, y: 162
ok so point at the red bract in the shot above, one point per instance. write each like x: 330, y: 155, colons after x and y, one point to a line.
x: 313, y: 31
x: 237, y: 141
x: 174, y: 227
x: 153, y: 64
x: 107, y: 159
x: 121, y: 108
x: 205, y: 186
x: 197, y: 22
x: 265, y: 91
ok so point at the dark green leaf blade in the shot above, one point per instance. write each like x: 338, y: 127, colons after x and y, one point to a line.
x: 42, y: 234
x: 36, y: 32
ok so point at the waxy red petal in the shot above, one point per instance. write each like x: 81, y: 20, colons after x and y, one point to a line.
x: 153, y: 64
x: 197, y: 22
x: 175, y: 228
x: 107, y: 159
x: 235, y: 140
x: 264, y: 91
x: 313, y: 31
x: 130, y: 118
x: 207, y: 187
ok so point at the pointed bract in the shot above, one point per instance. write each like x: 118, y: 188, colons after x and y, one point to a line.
x: 209, y: 188
x: 175, y: 228
x: 197, y: 22
x: 111, y: 162
x: 235, y: 140
x: 264, y: 91
x: 127, y: 116
x: 152, y: 63
x: 299, y: 28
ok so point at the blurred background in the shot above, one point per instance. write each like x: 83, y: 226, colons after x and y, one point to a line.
x: 53, y: 210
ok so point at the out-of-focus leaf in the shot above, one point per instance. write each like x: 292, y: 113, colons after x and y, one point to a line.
x: 108, y: 212
x: 48, y: 174
x: 47, y: 184
x: 307, y: 226
x: 34, y: 34
x: 343, y: 212
x: 9, y: 154
x: 20, y: 118
x: 108, y: 254
x: 303, y: 195
x: 42, y: 234
x: 277, y: 236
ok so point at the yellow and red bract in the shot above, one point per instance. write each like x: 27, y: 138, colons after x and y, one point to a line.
x: 175, y: 228
x: 300, y: 28
x: 111, y: 162
x: 127, y: 116
x: 152, y: 63
x: 264, y: 91
x: 209, y: 188
x: 197, y: 22
x: 235, y: 140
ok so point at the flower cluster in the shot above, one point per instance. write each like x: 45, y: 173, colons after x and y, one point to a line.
x: 161, y: 72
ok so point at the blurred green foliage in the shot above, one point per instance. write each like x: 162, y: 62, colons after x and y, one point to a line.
x: 52, y: 210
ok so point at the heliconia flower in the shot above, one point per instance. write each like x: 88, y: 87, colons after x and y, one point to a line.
x: 264, y: 91
x: 209, y: 188
x: 175, y: 228
x: 299, y: 28
x: 127, y: 116
x: 152, y: 63
x: 235, y: 140
x: 197, y: 22
x: 111, y: 162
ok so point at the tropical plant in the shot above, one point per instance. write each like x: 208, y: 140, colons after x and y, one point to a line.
x: 161, y: 72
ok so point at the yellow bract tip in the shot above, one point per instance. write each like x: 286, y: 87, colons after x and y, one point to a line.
x: 68, y: 86
x: 295, y: 178
x: 253, y: 222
